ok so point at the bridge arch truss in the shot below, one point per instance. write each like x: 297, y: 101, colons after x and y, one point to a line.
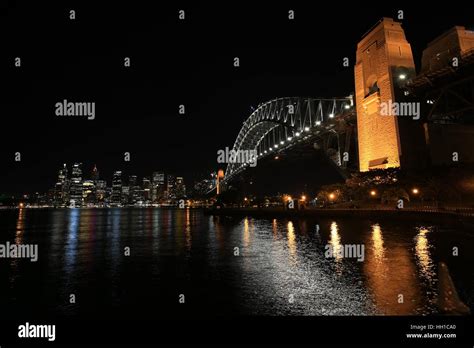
x: 281, y: 123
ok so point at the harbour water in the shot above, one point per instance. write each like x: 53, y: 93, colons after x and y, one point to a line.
x: 162, y: 263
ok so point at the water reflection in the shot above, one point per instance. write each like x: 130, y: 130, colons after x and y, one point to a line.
x: 19, y: 233
x: 391, y: 274
x: 70, y: 250
x: 291, y: 240
x: 187, y: 231
x: 246, y: 235
x: 422, y: 249
x: 20, y: 225
x: 425, y: 263
x: 377, y: 240
x: 335, y: 241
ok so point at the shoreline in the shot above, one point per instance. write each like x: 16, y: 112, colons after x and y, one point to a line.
x: 409, y: 214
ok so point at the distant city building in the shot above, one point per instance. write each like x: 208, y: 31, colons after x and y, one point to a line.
x: 95, y: 174
x: 125, y: 195
x: 147, y: 190
x: 170, y: 187
x: 101, y: 192
x: 180, y: 189
x: 61, y: 189
x: 88, y: 193
x: 116, y: 199
x: 158, y: 186
x: 133, y: 190
x: 75, y: 190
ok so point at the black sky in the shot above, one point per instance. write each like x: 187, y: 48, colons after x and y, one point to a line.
x: 173, y: 62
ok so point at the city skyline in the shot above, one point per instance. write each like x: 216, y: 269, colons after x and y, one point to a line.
x: 75, y: 188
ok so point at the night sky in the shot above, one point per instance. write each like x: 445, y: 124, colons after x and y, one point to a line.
x: 173, y: 62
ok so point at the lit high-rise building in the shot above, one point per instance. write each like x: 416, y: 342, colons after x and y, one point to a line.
x: 180, y: 188
x: 95, y: 174
x: 170, y: 186
x: 88, y: 193
x: 116, y: 199
x: 158, y: 183
x: 61, y: 189
x: 101, y: 192
x: 75, y: 189
x: 133, y: 190
x: 125, y: 195
x: 147, y: 190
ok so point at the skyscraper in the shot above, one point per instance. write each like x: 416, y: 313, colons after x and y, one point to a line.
x: 101, y: 192
x: 75, y: 191
x: 61, y: 191
x: 180, y: 189
x: 125, y: 195
x: 88, y: 193
x: 116, y: 199
x: 158, y: 183
x: 133, y: 190
x: 147, y: 190
x: 170, y: 186
x: 95, y: 174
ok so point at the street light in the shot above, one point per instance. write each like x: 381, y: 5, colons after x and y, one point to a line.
x: 415, y: 191
x: 303, y: 197
x: 332, y: 195
x: 373, y: 193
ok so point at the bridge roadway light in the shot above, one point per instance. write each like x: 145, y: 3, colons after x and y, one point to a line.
x: 275, y: 146
x: 347, y: 106
x: 289, y: 138
x: 306, y: 129
x: 282, y: 142
x: 318, y: 123
x: 331, y: 115
x: 402, y: 76
x: 297, y: 134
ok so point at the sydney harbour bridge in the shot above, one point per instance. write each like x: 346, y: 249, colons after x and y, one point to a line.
x: 352, y: 133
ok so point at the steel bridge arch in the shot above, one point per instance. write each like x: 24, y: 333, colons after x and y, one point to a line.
x: 280, y: 123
